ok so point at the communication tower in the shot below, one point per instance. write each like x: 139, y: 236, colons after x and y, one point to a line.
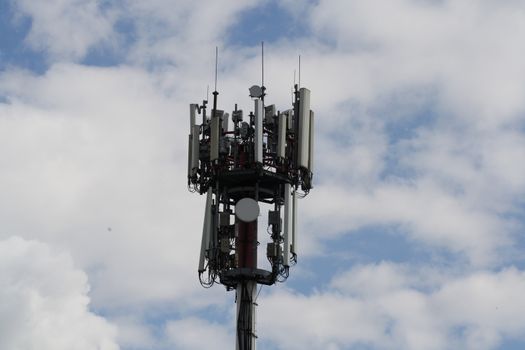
x: 266, y: 156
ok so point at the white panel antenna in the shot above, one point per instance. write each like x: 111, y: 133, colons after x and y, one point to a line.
x: 195, y: 142
x: 258, y: 140
x: 288, y: 225
x: 293, y: 225
x: 214, y: 138
x: 206, y: 230
x: 311, y: 144
x: 193, y: 108
x: 281, y: 136
x: 225, y: 122
x: 304, y: 128
x: 190, y: 137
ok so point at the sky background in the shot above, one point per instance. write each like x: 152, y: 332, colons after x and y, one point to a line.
x: 413, y: 237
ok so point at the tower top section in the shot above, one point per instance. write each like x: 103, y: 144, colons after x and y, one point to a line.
x: 240, y: 160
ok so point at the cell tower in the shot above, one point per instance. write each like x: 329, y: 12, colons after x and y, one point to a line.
x: 267, y: 157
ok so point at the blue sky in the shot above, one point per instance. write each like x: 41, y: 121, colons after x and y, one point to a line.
x: 411, y: 239
x: 14, y: 51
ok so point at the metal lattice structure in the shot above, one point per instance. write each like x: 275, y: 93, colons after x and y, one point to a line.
x: 266, y: 156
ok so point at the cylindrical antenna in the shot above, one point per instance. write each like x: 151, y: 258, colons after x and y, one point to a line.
x: 207, y: 92
x: 262, y: 63
x: 216, y: 64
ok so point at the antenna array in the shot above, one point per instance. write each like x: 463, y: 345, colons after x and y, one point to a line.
x: 266, y: 157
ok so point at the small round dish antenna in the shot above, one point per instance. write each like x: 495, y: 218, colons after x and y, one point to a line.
x: 247, y: 210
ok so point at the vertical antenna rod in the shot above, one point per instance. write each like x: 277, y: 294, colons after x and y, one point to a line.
x: 216, y: 64
x: 215, y: 93
x: 299, y: 70
x: 262, y: 63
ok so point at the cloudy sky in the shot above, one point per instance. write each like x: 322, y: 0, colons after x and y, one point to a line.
x: 411, y: 239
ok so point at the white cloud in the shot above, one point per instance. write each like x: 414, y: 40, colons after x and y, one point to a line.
x: 319, y: 321
x: 67, y: 30
x: 418, y: 120
x: 389, y: 306
x: 94, y: 156
x: 133, y: 333
x: 423, y: 211
x: 181, y: 33
x: 470, y: 49
x: 45, y: 303
x: 194, y: 333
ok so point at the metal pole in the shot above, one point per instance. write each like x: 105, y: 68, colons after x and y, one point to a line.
x: 246, y: 289
x: 246, y: 315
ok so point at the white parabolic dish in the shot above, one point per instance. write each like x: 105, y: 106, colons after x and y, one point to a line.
x: 247, y: 209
